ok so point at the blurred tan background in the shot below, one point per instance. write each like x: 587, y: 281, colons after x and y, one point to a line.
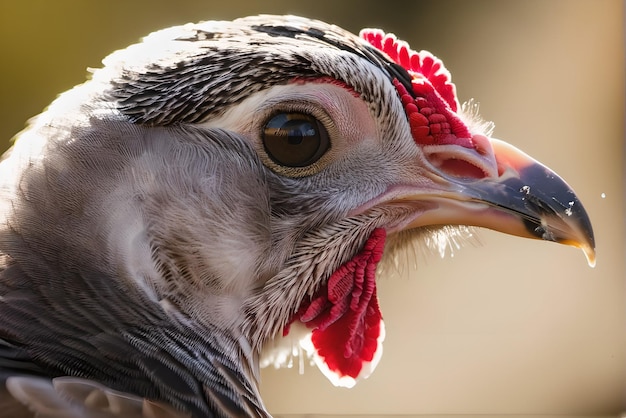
x: 508, y: 327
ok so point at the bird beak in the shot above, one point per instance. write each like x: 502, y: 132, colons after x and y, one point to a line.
x: 524, y: 198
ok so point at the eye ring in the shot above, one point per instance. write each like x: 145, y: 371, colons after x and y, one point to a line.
x: 294, y: 139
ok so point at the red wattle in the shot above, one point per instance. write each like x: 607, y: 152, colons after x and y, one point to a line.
x: 344, y: 314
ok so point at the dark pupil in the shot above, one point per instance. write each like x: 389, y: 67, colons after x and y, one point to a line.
x: 297, y: 131
x: 295, y: 139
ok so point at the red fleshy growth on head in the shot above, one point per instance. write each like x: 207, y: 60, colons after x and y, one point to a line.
x: 435, y: 95
x: 421, y: 63
x: 344, y: 314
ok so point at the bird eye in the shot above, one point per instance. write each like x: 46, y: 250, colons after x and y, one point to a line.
x: 295, y: 139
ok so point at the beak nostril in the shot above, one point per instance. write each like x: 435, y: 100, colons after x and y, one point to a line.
x: 461, y: 168
x: 477, y: 162
x: 456, y: 167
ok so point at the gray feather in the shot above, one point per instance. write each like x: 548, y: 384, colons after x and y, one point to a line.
x: 144, y: 240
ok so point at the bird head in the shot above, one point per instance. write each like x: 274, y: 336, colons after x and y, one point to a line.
x: 244, y: 179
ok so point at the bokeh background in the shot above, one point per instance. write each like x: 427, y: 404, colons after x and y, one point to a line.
x: 510, y: 326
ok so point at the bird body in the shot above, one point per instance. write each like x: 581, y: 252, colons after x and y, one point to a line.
x: 221, y: 184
